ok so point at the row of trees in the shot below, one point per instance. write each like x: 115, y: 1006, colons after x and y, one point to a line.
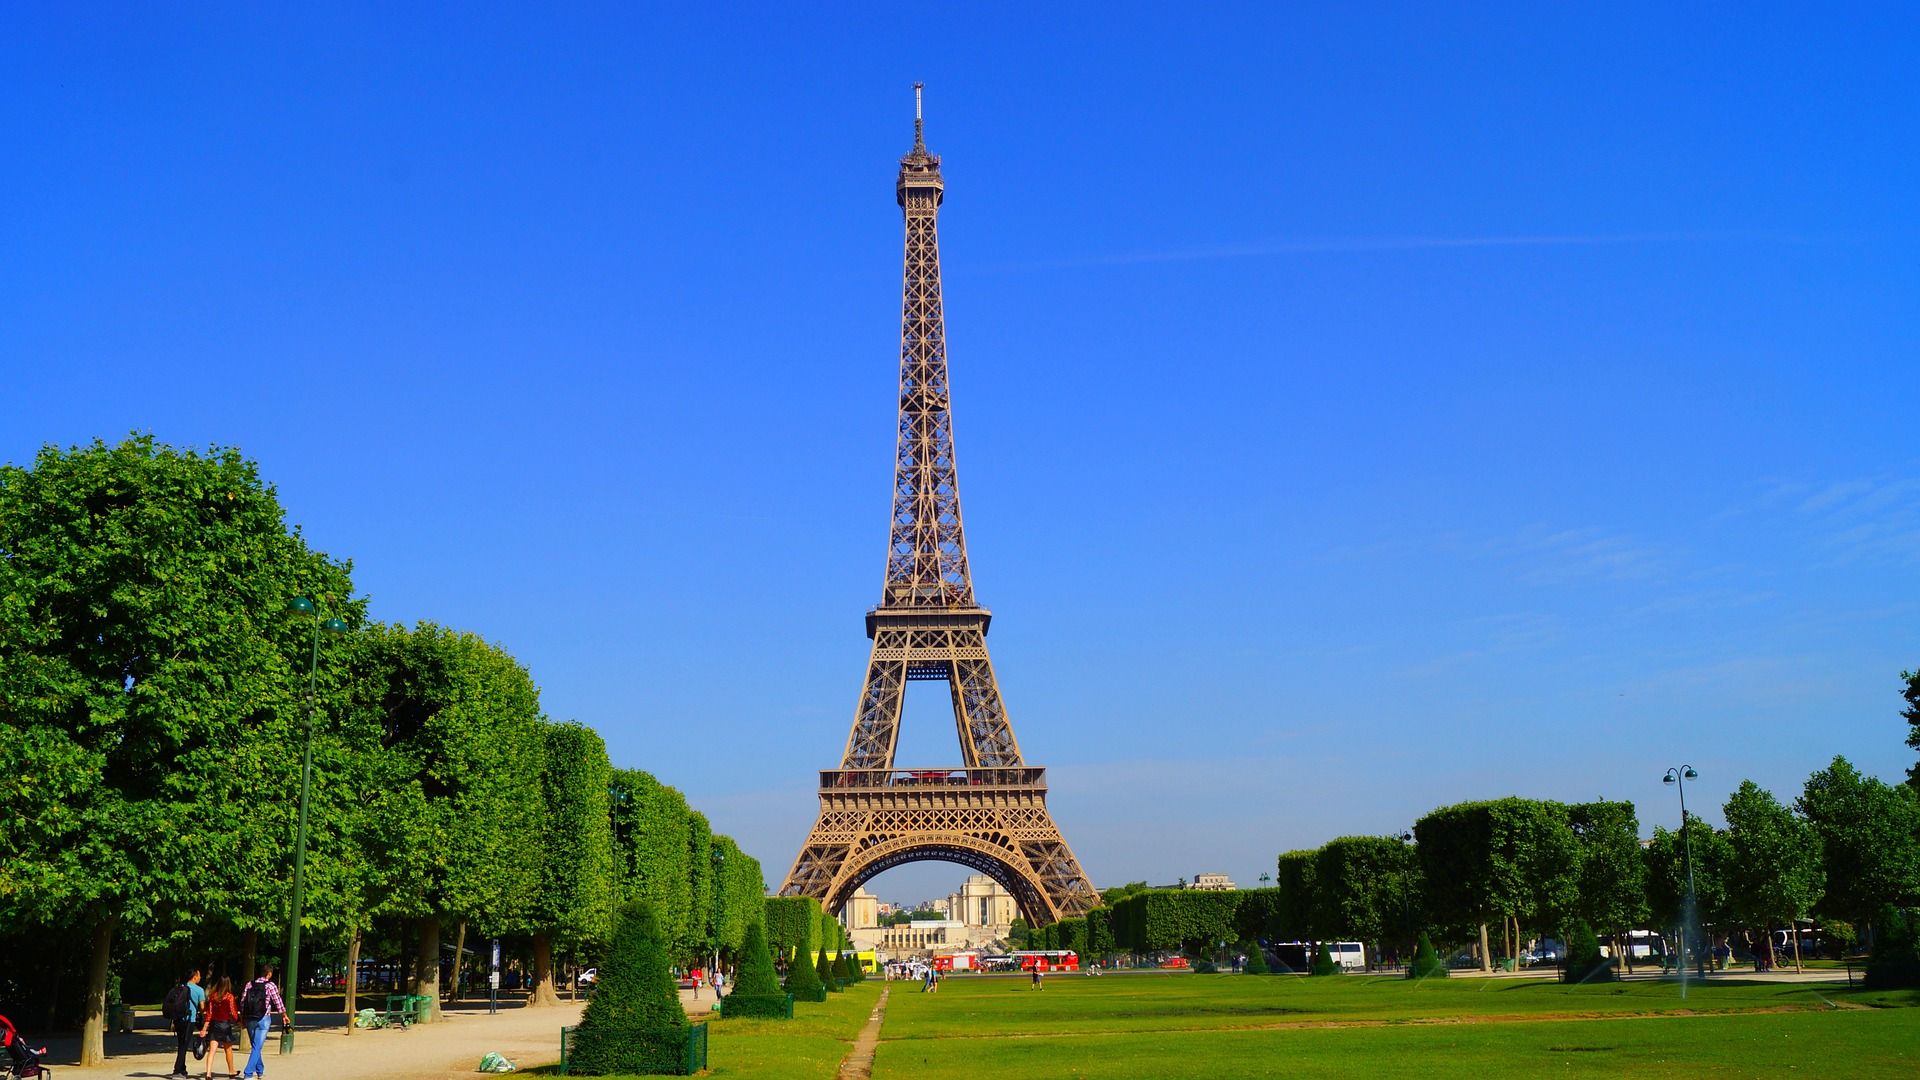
x: 153, y: 707
x: 1847, y: 849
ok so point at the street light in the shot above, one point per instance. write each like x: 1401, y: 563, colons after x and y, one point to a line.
x: 303, y: 606
x: 1678, y: 778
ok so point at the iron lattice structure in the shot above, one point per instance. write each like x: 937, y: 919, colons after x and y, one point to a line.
x: 990, y: 812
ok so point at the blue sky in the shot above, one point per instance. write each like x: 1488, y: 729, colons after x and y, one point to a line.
x: 1359, y: 410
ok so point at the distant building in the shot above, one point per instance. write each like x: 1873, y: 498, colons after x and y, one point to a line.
x: 862, y: 911
x: 1212, y: 883
x: 981, y: 902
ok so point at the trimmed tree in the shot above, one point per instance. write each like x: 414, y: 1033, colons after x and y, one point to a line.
x: 576, y: 896
x: 1612, y: 897
x: 1323, y: 964
x: 756, y: 991
x: 1584, y: 962
x: 803, y: 978
x: 1256, y: 958
x: 1869, y: 839
x: 1426, y: 960
x: 634, y: 1025
x: 823, y: 967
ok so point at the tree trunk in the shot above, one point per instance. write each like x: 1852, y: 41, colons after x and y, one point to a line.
x: 1796, y: 947
x: 1486, y: 955
x: 459, y: 954
x: 93, y: 1044
x: 353, y: 978
x: 249, y: 956
x: 429, y: 962
x: 543, y: 994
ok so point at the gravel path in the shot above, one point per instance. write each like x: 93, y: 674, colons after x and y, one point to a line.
x: 450, y: 1048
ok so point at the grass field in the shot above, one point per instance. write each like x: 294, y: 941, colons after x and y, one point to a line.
x: 807, y: 1047
x: 1240, y: 1026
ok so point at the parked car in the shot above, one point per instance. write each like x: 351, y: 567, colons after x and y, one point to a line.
x: 588, y: 976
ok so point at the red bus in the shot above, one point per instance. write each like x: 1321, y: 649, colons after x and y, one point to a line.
x: 1048, y: 960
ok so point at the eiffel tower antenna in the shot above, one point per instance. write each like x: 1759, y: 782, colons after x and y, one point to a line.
x: 990, y: 811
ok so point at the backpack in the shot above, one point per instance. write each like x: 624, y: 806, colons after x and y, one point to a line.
x: 176, y: 1005
x: 253, y: 1002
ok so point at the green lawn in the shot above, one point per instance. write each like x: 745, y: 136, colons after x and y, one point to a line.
x: 1241, y: 1026
x: 806, y: 1047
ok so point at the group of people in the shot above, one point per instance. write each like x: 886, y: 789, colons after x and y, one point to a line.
x: 206, y: 1020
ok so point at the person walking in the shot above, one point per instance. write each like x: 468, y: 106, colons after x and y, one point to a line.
x: 259, y: 1002
x: 183, y: 1005
x: 1038, y: 965
x: 216, y: 1026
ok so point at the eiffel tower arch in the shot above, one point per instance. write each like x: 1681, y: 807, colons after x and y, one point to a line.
x: 989, y: 812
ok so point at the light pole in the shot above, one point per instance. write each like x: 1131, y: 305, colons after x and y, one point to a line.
x: 1678, y: 778
x: 303, y: 606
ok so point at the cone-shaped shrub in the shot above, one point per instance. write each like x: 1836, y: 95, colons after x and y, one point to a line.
x: 1584, y: 962
x: 1256, y: 959
x: 842, y: 970
x: 634, y: 1024
x: 803, y: 979
x: 824, y: 968
x: 756, y: 992
x: 1322, y: 963
x: 1426, y: 960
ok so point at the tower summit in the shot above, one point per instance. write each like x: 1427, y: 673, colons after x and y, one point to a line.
x: 989, y: 812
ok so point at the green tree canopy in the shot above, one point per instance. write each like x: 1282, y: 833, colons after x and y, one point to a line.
x: 575, y: 899
x: 1367, y: 887
x: 651, y: 825
x: 1869, y: 837
x: 151, y: 678
x: 1773, y: 867
x: 1666, y: 856
x: 1612, y: 893
x: 1297, y: 904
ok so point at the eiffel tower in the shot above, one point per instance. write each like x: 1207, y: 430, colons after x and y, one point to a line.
x: 990, y: 811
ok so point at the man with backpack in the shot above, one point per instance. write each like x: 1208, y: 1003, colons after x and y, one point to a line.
x: 259, y: 1002
x: 181, y: 1008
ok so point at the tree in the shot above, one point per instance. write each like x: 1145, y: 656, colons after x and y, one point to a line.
x: 739, y: 901
x: 1612, y: 893
x: 1019, y: 933
x: 1426, y: 960
x: 1912, y: 716
x: 1869, y: 838
x: 651, y: 823
x: 701, y: 886
x: 1365, y: 886
x: 1514, y: 859
x: 803, y: 977
x: 151, y: 680
x: 823, y: 968
x: 575, y: 900
x: 634, y: 1024
x: 1256, y: 957
x: 1773, y: 871
x: 792, y: 922
x: 1666, y: 859
x: 462, y: 718
x: 1296, y: 905
x: 756, y: 991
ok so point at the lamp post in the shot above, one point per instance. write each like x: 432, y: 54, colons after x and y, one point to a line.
x: 303, y: 606
x: 1678, y: 778
x: 1405, y: 836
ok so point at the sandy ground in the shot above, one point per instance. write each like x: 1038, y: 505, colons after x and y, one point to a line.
x: 451, y: 1048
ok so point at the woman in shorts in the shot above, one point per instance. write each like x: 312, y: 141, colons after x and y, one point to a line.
x: 223, y: 1012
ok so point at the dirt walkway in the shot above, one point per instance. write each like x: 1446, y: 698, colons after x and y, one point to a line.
x: 859, y: 1061
x: 324, y: 1051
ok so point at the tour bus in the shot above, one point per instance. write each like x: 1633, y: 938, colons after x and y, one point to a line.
x: 1047, y: 959
x: 1298, y: 955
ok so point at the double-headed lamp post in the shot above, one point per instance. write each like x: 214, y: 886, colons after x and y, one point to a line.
x: 1678, y: 778
x: 303, y: 606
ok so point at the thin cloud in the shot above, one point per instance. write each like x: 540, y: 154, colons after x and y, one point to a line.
x: 1362, y: 245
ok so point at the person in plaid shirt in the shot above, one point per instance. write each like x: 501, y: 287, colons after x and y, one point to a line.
x: 258, y: 1026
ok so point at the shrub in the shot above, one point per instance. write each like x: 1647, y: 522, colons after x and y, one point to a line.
x: 1322, y: 963
x: 1426, y: 960
x: 756, y: 992
x: 634, y: 1023
x: 1896, y: 950
x: 1256, y: 958
x: 1584, y: 962
x: 803, y: 980
x: 823, y: 967
x: 842, y: 970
